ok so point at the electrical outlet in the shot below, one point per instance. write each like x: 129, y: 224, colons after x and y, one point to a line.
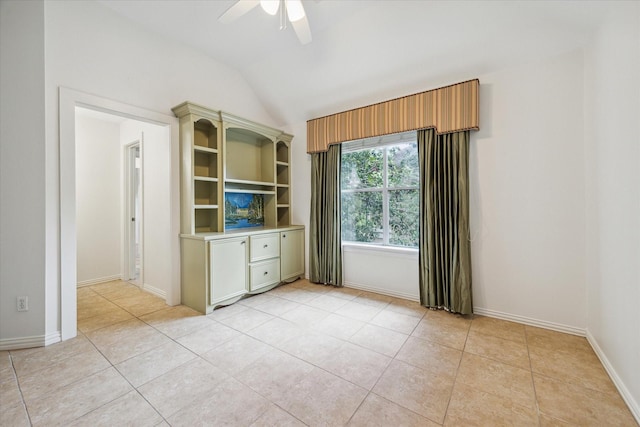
x: 23, y: 303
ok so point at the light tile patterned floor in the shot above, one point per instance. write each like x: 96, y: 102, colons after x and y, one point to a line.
x: 302, y: 354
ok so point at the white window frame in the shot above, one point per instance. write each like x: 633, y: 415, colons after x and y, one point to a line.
x: 384, y: 143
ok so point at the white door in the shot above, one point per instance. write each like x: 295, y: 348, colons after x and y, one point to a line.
x: 134, y: 214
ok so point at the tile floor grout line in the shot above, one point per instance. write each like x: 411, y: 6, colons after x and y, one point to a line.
x: 151, y: 405
x: 358, y: 408
x: 457, y: 373
x: 404, y: 407
x: 384, y: 371
x: 453, y: 386
x: 455, y: 379
x: 15, y: 374
x: 491, y: 359
x: 106, y: 326
x: 270, y: 402
x: 274, y: 403
x: 436, y: 342
x: 533, y: 382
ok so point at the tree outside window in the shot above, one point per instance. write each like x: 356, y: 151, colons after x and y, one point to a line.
x: 380, y: 200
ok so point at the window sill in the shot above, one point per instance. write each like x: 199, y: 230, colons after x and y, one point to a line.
x: 389, y: 250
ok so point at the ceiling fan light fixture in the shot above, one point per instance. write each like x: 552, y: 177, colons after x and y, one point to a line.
x: 295, y: 11
x: 289, y: 10
x: 270, y: 6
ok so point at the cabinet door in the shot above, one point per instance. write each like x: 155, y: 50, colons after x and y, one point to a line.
x: 291, y: 254
x: 228, y: 268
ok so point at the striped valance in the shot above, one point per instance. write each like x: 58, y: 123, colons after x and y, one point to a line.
x: 447, y: 109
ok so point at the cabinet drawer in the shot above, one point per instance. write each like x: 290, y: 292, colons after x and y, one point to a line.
x: 265, y: 273
x: 265, y: 246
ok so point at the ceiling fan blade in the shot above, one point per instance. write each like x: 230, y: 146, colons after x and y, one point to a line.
x: 237, y: 10
x: 302, y: 29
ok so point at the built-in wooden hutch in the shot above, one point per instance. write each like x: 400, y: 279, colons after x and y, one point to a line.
x: 236, y: 235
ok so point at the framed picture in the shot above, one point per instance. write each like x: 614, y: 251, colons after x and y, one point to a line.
x: 243, y: 210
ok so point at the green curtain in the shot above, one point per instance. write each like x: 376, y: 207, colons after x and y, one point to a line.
x: 325, y: 241
x: 444, y: 247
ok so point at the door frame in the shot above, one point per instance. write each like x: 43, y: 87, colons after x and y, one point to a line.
x: 129, y: 212
x: 68, y: 100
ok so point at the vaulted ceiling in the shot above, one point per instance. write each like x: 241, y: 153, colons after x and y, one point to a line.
x: 369, y: 51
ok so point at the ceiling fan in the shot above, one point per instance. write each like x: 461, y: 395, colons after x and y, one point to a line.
x: 291, y: 10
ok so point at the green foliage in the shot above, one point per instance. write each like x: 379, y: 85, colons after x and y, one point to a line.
x: 362, y: 211
x: 362, y: 217
x: 403, y: 165
x: 404, y: 214
x: 362, y: 169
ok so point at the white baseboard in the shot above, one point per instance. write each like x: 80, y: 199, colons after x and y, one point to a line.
x: 387, y: 292
x: 479, y: 310
x: 99, y: 280
x: 29, y: 342
x: 530, y: 321
x: 153, y: 290
x: 634, y: 407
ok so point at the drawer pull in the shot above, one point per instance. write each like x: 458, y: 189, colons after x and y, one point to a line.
x: 243, y: 242
x: 284, y: 236
x: 265, y: 246
x: 266, y: 272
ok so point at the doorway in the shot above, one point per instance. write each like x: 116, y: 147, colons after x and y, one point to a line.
x: 68, y: 101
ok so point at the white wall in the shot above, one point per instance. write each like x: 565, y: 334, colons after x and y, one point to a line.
x: 527, y: 194
x: 612, y: 91
x: 98, y: 200
x: 155, y: 149
x: 22, y: 169
x: 388, y: 271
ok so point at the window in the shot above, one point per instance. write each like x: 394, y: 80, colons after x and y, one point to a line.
x: 379, y: 186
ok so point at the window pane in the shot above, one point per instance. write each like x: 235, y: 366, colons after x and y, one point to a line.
x: 403, y: 165
x: 362, y: 217
x: 403, y: 217
x: 362, y: 169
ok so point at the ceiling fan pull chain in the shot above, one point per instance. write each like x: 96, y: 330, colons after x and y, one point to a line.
x: 283, y: 20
